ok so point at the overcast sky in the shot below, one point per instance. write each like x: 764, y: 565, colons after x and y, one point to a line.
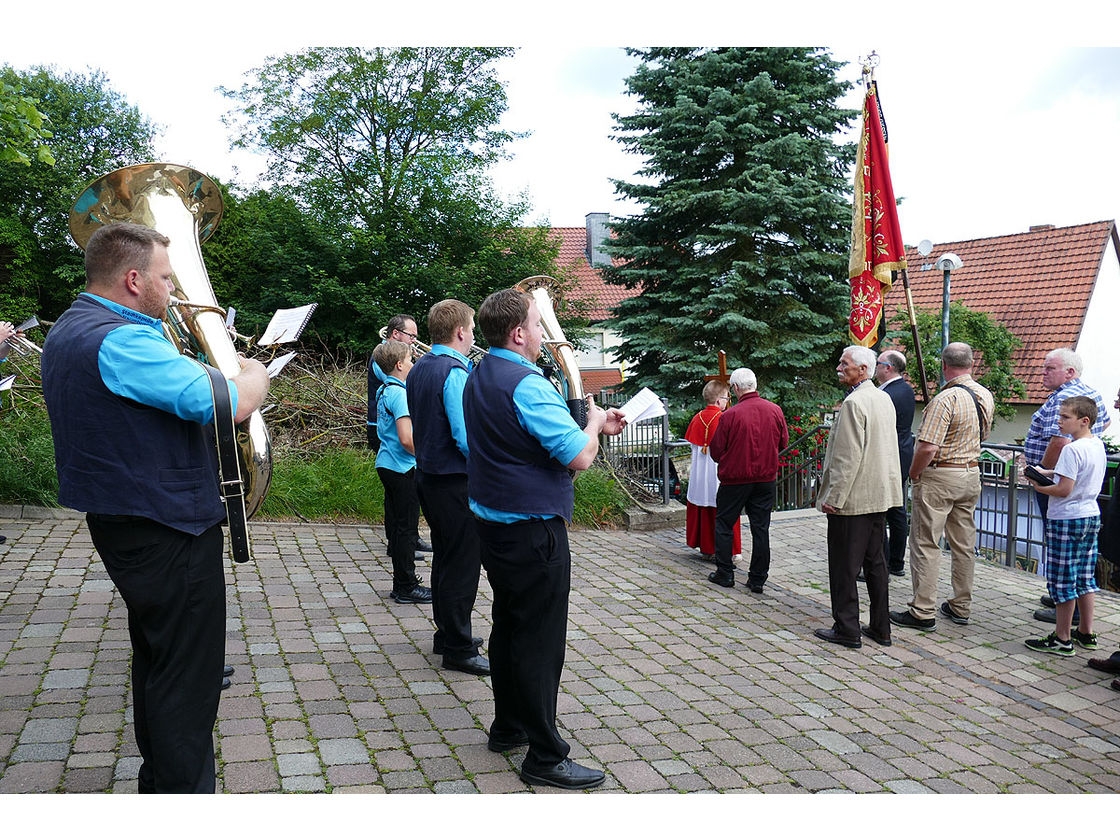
x: 992, y: 128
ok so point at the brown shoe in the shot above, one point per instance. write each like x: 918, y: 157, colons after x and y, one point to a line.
x: 1109, y: 666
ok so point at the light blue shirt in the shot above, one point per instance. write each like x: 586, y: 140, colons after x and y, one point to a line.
x: 542, y: 412
x: 453, y: 395
x: 136, y: 361
x: 392, y: 405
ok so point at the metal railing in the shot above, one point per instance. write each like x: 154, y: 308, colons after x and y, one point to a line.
x: 641, y: 455
x: 1009, y: 526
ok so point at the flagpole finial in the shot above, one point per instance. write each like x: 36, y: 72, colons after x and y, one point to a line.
x: 869, y: 62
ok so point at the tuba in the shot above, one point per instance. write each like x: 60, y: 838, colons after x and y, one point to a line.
x: 558, y: 351
x: 185, y: 206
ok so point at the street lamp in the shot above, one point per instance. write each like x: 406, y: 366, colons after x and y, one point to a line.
x: 946, y: 262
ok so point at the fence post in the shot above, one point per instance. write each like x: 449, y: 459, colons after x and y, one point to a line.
x: 1012, y: 512
x: 665, y: 458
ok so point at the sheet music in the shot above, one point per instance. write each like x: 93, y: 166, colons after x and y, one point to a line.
x: 286, y: 325
x: 644, y: 405
x: 6, y: 382
x: 277, y: 364
x: 28, y: 324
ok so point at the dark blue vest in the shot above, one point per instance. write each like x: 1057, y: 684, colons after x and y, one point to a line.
x: 436, y: 452
x: 114, y: 455
x: 509, y: 469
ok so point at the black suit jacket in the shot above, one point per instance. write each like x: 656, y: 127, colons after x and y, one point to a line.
x: 902, y: 395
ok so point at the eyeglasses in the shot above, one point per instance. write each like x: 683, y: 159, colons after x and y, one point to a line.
x: 882, y: 364
x: 413, y: 336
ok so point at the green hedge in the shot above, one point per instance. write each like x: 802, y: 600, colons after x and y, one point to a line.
x: 337, y: 485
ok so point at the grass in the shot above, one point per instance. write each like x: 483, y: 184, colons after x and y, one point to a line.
x: 27, y: 456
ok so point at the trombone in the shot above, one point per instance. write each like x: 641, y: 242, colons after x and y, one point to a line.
x: 21, y: 345
x: 474, y: 353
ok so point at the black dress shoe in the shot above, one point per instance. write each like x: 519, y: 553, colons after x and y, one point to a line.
x: 1051, y: 616
x: 885, y: 641
x: 424, y: 547
x: 898, y: 571
x: 756, y: 588
x: 1047, y: 602
x: 860, y: 578
x: 830, y: 635
x: 905, y: 618
x: 3, y: 539
x: 226, y: 683
x: 567, y: 774
x: 227, y: 671
x: 437, y: 647
x: 416, y: 595
x: 478, y: 665
x: 510, y: 742
x: 720, y: 580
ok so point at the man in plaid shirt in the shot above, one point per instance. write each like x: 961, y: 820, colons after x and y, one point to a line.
x: 1061, y: 374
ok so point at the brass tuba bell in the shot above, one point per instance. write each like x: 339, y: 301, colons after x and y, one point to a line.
x: 185, y: 206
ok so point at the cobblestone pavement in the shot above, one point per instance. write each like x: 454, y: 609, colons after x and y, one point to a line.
x: 671, y: 683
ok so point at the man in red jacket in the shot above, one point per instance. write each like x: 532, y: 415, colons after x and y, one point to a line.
x: 746, y: 446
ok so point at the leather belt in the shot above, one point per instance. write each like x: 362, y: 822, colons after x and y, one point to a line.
x: 969, y: 465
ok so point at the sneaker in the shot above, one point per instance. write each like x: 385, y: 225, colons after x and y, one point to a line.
x: 1085, y: 640
x: 416, y: 595
x: 1051, y: 644
x: 947, y: 611
x: 905, y: 618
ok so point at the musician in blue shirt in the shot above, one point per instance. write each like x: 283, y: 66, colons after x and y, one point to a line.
x: 128, y: 416
x: 524, y: 447
x: 396, y: 467
x: 435, y: 403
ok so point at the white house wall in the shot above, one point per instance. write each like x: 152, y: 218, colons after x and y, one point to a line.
x: 1099, y: 344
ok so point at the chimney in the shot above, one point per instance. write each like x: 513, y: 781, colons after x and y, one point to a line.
x: 1034, y: 228
x: 598, y: 231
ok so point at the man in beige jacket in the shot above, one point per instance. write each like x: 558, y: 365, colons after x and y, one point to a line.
x: 858, y: 485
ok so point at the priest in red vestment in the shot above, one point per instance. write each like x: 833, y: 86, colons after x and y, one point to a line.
x: 700, y: 529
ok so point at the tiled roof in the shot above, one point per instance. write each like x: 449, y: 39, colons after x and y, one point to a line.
x: 1036, y: 283
x: 596, y: 380
x: 590, y: 286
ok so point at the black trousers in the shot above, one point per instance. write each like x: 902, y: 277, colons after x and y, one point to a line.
x: 455, y: 561
x: 402, y: 523
x: 898, y: 529
x: 757, y: 499
x: 529, y: 566
x: 855, y: 543
x: 173, y: 584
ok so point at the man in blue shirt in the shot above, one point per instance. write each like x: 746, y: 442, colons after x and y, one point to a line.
x: 435, y: 403
x: 129, y: 419
x: 400, y: 328
x: 396, y: 467
x: 523, y: 445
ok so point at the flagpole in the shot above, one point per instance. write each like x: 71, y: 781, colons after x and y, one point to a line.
x: 914, y: 331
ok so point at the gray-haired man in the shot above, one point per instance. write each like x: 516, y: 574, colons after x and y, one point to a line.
x: 745, y: 447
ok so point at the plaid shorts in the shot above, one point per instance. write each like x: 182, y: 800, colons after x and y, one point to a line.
x: 1071, y: 567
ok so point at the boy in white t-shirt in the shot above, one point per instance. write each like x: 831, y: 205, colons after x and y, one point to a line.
x: 1073, y: 519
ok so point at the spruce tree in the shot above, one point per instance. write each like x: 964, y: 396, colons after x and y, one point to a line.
x: 742, y: 245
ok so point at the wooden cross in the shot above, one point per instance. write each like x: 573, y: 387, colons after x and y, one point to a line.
x: 723, y: 376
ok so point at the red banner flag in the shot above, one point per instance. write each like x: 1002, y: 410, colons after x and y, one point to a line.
x: 877, y: 247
